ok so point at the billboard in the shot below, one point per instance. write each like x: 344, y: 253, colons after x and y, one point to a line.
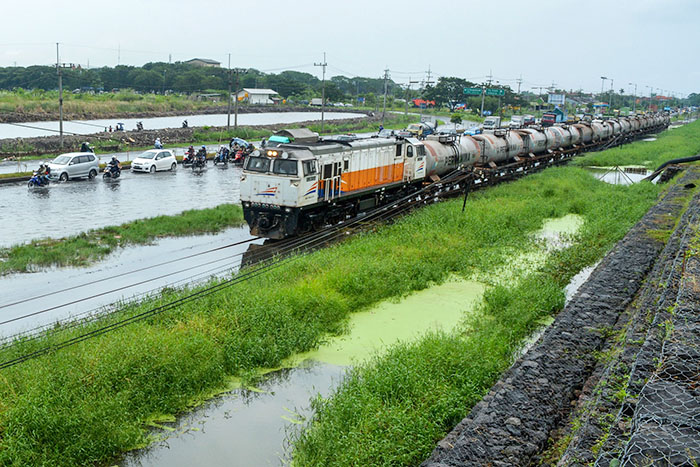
x: 556, y: 99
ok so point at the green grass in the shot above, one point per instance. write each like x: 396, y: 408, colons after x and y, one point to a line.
x: 88, y: 402
x: 91, y: 246
x: 671, y: 144
x: 108, y: 104
x: 393, y: 409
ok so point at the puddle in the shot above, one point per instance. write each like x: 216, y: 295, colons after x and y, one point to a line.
x: 649, y: 139
x: 620, y: 175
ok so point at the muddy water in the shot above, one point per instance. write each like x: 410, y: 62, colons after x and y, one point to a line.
x: 248, y: 427
x: 64, y: 209
x: 83, y: 127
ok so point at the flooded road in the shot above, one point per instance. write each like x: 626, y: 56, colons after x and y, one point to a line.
x: 83, y: 127
x: 129, y: 272
x: 64, y: 209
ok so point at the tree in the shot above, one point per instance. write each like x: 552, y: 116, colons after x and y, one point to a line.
x: 448, y: 91
x: 456, y: 118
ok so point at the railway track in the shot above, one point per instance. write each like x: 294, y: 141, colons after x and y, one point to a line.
x: 258, y: 259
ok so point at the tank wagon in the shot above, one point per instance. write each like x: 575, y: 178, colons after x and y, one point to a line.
x: 298, y: 187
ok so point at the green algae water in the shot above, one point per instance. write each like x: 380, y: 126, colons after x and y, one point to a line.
x: 440, y: 307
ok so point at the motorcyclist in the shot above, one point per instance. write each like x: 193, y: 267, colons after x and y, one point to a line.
x: 85, y: 147
x: 189, y: 155
x: 43, y: 173
x: 114, y: 165
x: 158, y: 144
x: 202, y: 155
x: 222, y: 153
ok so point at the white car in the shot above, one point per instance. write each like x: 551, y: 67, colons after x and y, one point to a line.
x: 153, y: 160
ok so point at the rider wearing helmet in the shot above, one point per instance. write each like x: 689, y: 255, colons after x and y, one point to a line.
x: 202, y: 153
x: 114, y: 165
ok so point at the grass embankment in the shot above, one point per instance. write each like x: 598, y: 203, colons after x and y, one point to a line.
x: 86, y: 403
x: 671, y: 144
x: 38, y: 102
x: 91, y: 246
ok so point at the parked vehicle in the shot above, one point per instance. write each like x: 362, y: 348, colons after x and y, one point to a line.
x: 154, y: 160
x: 38, y: 181
x: 74, y: 165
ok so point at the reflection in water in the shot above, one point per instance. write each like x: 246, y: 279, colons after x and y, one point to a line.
x: 244, y: 427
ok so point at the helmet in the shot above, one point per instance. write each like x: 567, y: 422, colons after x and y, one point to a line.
x: 204, y: 147
x: 114, y: 158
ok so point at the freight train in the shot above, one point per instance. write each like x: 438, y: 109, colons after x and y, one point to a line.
x: 303, y: 185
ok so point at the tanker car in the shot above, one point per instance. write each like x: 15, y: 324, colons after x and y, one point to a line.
x: 298, y: 187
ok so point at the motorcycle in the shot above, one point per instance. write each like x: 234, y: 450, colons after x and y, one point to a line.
x: 112, y: 172
x: 239, y: 158
x: 187, y: 160
x: 199, y: 164
x: 221, y: 158
x: 38, y: 180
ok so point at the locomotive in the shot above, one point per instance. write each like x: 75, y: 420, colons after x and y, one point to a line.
x: 302, y: 185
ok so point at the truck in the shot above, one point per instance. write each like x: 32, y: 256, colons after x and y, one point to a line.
x: 492, y: 123
x: 316, y: 101
x: 516, y: 121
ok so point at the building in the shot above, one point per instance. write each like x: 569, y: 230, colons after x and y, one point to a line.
x: 203, y: 62
x: 257, y: 96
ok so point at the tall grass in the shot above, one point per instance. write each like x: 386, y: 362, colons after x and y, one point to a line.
x: 88, y: 247
x: 671, y: 144
x: 88, y: 402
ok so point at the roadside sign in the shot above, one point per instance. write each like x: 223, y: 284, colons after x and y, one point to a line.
x: 472, y: 91
x: 495, y: 92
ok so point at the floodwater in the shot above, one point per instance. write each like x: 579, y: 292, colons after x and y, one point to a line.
x: 64, y: 209
x: 620, y: 175
x: 250, y: 426
x: 83, y: 127
x: 126, y: 274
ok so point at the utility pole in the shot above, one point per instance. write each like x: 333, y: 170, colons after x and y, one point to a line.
x: 483, y: 91
x: 408, y: 93
x: 228, y: 113
x: 426, y: 82
x: 235, y: 103
x: 60, y: 95
x: 612, y: 82
x: 520, y: 81
x: 386, y: 77
x: 634, y: 100
x: 323, y: 89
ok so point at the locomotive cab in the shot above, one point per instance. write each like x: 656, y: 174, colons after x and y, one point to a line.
x: 274, y: 184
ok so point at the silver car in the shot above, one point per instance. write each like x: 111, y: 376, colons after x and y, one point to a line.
x: 74, y: 165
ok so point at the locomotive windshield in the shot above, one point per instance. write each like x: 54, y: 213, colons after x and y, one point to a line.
x: 257, y: 164
x: 285, y: 167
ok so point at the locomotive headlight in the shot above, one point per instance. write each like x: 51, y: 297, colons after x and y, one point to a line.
x: 272, y: 153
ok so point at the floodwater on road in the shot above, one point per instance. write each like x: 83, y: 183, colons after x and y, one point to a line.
x: 83, y: 127
x: 69, y: 208
x: 72, y: 292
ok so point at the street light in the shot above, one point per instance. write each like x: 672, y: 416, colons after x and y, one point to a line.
x: 602, y: 84
x: 634, y: 101
x: 612, y: 82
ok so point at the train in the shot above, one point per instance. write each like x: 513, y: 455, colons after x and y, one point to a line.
x: 308, y: 182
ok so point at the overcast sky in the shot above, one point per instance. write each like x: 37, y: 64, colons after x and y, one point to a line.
x: 571, y: 43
